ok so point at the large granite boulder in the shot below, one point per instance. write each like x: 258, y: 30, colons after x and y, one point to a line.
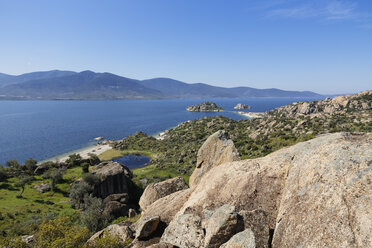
x: 326, y: 200
x: 314, y: 194
x: 159, y: 190
x: 243, y: 239
x: 122, y: 231
x: 216, y: 150
x: 114, y: 178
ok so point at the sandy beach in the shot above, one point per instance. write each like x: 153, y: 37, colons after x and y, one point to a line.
x: 84, y: 152
x: 251, y: 115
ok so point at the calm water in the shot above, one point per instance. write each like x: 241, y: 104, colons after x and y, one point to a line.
x: 44, y: 129
x: 133, y: 161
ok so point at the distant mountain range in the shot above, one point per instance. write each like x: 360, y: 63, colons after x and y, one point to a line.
x: 90, y: 85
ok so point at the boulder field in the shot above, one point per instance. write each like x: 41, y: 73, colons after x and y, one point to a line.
x: 316, y: 193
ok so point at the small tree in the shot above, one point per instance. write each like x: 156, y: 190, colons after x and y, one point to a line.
x: 91, y: 179
x: 3, y: 173
x: 22, y: 181
x: 31, y: 165
x: 92, y: 217
x: 14, y: 167
x: 73, y: 160
x: 55, y: 175
x: 85, y: 167
x: 78, y: 191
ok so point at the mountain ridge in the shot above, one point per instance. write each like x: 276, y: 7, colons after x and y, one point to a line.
x: 69, y: 85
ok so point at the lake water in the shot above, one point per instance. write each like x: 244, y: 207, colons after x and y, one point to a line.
x: 133, y: 161
x: 44, y: 129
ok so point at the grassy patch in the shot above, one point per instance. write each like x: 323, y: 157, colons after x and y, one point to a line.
x: 151, y: 172
x: 125, y: 218
x: 14, y: 212
x: 114, y: 153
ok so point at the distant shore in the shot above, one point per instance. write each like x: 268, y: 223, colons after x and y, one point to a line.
x: 83, y: 152
x: 251, y: 115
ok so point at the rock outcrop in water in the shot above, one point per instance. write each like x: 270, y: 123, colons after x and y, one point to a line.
x: 242, y: 106
x: 313, y: 194
x: 205, y: 107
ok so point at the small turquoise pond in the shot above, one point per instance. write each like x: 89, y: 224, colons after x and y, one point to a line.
x: 133, y: 161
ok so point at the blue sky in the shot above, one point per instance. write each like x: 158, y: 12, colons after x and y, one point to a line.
x: 320, y: 45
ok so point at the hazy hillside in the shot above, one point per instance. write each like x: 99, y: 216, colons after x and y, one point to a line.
x: 83, y: 85
x: 6, y: 79
x: 90, y: 85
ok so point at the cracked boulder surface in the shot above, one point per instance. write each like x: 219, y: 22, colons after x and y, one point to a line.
x: 314, y: 194
x: 327, y: 197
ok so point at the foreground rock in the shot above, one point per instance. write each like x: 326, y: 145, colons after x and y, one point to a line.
x: 146, y: 226
x: 243, y: 239
x: 313, y: 194
x: 217, y: 149
x: 185, y: 231
x: 221, y: 225
x: 122, y: 231
x: 242, y: 106
x: 156, y: 191
x: 205, y: 107
x: 331, y: 204
x: 168, y: 206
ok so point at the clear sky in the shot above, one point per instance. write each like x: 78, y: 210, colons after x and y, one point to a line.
x: 319, y: 45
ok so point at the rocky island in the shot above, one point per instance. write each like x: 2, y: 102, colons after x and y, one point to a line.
x: 242, y: 106
x: 205, y: 107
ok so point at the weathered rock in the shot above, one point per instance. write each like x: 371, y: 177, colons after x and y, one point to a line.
x: 217, y: 149
x: 161, y: 245
x: 146, y: 226
x: 114, y: 179
x: 257, y: 221
x: 168, y: 206
x: 242, y: 106
x: 136, y: 243
x: 185, y: 231
x: 327, y: 196
x: 317, y: 191
x: 122, y: 231
x: 243, y: 239
x: 156, y: 191
x: 42, y: 187
x: 221, y: 226
x: 115, y: 209
x: 28, y: 239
